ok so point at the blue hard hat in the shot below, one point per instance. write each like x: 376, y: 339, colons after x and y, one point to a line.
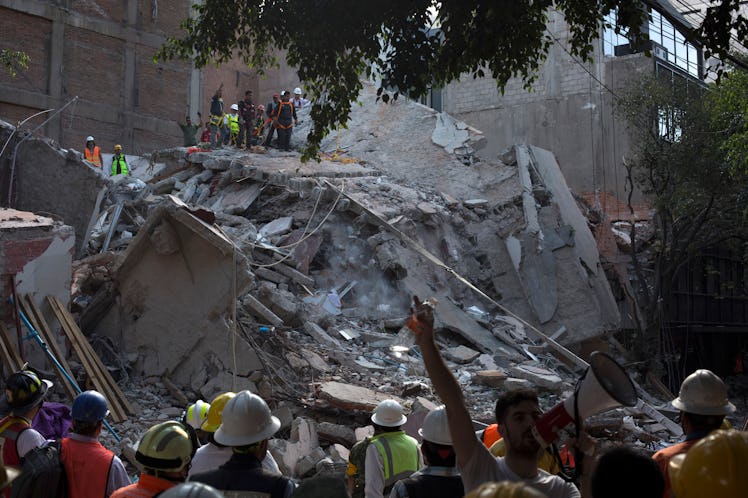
x: 89, y: 406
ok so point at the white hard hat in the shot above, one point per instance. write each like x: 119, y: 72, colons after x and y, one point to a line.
x: 703, y: 393
x: 90, y: 139
x: 436, y: 427
x: 389, y: 413
x: 246, y: 420
x: 234, y: 107
x: 297, y: 91
x: 197, y: 413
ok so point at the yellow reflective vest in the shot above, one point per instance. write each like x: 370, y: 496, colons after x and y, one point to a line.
x: 119, y: 165
x: 234, y: 123
x: 399, y: 456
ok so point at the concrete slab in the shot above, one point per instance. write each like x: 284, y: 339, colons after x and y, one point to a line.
x: 540, y: 377
x: 461, y: 354
x: 350, y: 397
x: 277, y: 227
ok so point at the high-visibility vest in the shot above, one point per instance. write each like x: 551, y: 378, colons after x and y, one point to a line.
x: 119, y: 165
x: 277, y: 118
x: 87, y: 466
x: 93, y: 157
x: 216, y: 120
x: 234, y: 123
x: 399, y: 456
x: 10, y: 428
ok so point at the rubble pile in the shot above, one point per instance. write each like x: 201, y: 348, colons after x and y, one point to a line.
x: 208, y: 271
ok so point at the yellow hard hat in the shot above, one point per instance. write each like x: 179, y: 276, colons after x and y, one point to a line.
x: 118, y: 147
x: 215, y: 413
x: 715, y: 466
x: 166, y: 446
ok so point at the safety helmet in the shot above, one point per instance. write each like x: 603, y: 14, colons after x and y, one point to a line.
x: 715, y: 466
x: 89, y: 406
x: 118, y: 147
x: 214, y: 413
x: 234, y: 107
x: 191, y: 489
x: 90, y: 139
x: 165, y: 446
x: 703, y: 393
x: 197, y: 413
x: 505, y: 489
x: 389, y: 413
x: 23, y: 391
x: 260, y: 107
x: 297, y: 91
x: 246, y: 420
x: 436, y: 427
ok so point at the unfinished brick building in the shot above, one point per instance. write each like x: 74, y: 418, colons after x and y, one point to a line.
x: 102, y: 51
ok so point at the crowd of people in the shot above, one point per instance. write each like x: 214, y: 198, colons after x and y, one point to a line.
x: 221, y: 448
x: 92, y: 154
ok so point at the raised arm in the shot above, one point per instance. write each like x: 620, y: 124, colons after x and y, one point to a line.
x: 464, y: 440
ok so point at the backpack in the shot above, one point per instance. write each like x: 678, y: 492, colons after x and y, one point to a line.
x: 42, y: 474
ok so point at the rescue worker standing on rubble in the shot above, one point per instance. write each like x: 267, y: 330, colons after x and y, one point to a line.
x: 189, y: 130
x: 283, y: 121
x: 119, y: 162
x: 233, y: 122
x: 216, y: 117
x: 194, y: 416
x: 23, y: 398
x: 92, y: 153
x: 91, y: 470
x: 391, y: 455
x: 516, y: 414
x: 164, y: 452
x: 271, y: 111
x: 440, y: 477
x: 246, y: 426
x: 703, y: 404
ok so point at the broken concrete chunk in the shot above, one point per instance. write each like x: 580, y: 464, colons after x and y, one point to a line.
x: 539, y: 377
x: 340, y: 453
x: 350, y: 397
x: 319, y: 335
x: 512, y: 383
x: 297, y: 362
x: 220, y: 382
x: 336, y: 433
x: 285, y: 416
x: 412, y: 388
x: 164, y: 239
x: 490, y: 378
x: 277, y: 227
x: 427, y: 208
x: 259, y: 310
x: 461, y: 354
x: 474, y: 203
x: 363, y: 432
x: 282, y: 303
x: 315, y: 361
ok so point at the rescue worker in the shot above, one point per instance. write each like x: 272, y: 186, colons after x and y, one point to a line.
x: 216, y: 117
x: 703, y: 404
x: 246, y: 426
x: 91, y: 470
x: 440, y: 477
x: 164, y: 452
x: 246, y: 119
x: 715, y: 466
x: 23, y: 398
x: 356, y: 465
x: 119, y: 162
x: 191, y: 490
x: 92, y: 153
x: 271, y: 110
x: 489, y: 435
x: 516, y: 413
x: 283, y: 121
x: 189, y: 130
x: 298, y: 101
x: 233, y: 122
x: 212, y: 455
x: 258, y: 127
x: 194, y: 416
x: 391, y: 455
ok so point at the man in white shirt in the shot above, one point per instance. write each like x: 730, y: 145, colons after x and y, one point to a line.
x: 516, y: 413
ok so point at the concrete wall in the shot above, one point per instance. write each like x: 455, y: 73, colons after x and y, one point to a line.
x: 566, y: 111
x: 101, y: 51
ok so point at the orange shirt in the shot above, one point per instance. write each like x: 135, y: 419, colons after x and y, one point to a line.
x: 146, y: 487
x: 663, y: 457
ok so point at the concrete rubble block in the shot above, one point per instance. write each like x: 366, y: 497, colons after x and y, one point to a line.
x: 447, y: 134
x: 475, y: 203
x: 315, y: 361
x: 305, y: 466
x: 261, y: 311
x: 281, y: 303
x: 327, y: 466
x: 540, y: 377
x: 319, y: 335
x: 461, y: 354
x: 412, y: 388
x: 238, y: 198
x: 285, y: 454
x: 304, y: 433
x: 279, y: 226
x: 165, y: 239
x: 339, y: 453
x: 513, y: 383
x: 165, y: 186
x: 350, y: 397
x: 427, y: 209
x: 297, y: 362
x: 285, y: 415
x: 487, y: 362
x: 222, y: 382
x: 363, y: 432
x: 490, y: 378
x: 273, y: 276
x: 172, y: 411
x: 336, y: 433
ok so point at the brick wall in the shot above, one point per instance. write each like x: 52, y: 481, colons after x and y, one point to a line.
x: 33, y: 36
x: 94, y: 67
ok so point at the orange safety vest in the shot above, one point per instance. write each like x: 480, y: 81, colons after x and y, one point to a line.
x: 93, y: 157
x: 146, y: 487
x: 87, y: 465
x: 10, y: 428
x: 491, y: 435
x: 276, y: 123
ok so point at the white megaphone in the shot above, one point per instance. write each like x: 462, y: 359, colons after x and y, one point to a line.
x: 604, y: 385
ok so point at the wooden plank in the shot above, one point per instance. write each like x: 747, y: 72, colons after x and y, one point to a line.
x: 10, y: 357
x: 84, y: 352
x: 36, y: 318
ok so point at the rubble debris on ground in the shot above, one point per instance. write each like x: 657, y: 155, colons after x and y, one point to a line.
x: 227, y: 270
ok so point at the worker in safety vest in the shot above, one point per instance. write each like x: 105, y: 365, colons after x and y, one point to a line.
x: 233, y: 120
x: 391, y: 455
x: 91, y: 470
x: 164, y: 452
x: 271, y: 111
x: 283, y: 121
x: 92, y: 152
x: 119, y: 163
x: 216, y: 117
x: 440, y: 477
x: 703, y: 404
x: 246, y: 426
x: 23, y: 398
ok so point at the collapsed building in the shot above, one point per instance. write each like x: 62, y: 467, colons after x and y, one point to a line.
x: 207, y: 271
